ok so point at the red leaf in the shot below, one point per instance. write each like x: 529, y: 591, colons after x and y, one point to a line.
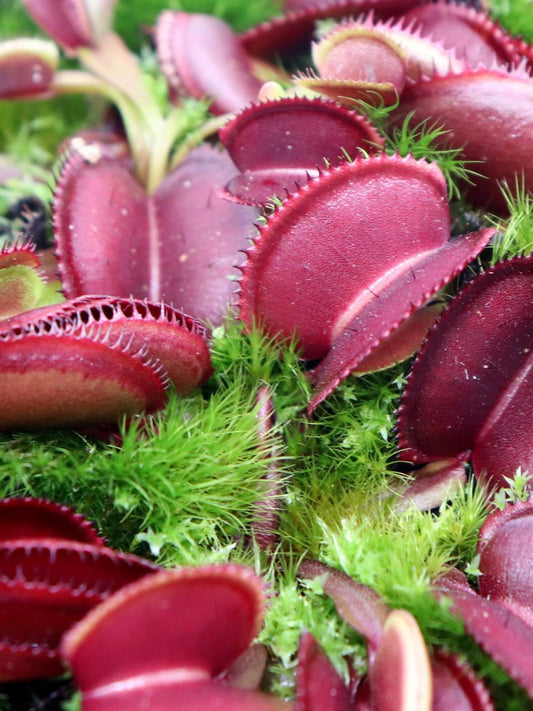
x: 24, y: 518
x: 277, y: 145
x: 318, y: 685
x: 400, y: 675
x: 202, y: 57
x: 27, y: 67
x: 165, y: 638
x: 349, y: 257
x: 66, y: 21
x: 470, y: 385
x: 471, y: 106
x: 179, y: 246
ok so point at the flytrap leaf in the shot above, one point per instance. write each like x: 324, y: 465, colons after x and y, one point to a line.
x: 163, y: 642
x: 20, y: 284
x: 472, y: 105
x: 297, y: 26
x: 202, y: 57
x: 53, y: 569
x: 27, y: 68
x: 371, y: 60
x: 278, y: 145
x: 504, y: 558
x: 319, y: 686
x: 93, y: 361
x: 349, y: 257
x: 471, y: 33
x: 31, y: 518
x: 494, y: 626
x: 179, y: 245
x: 470, y: 388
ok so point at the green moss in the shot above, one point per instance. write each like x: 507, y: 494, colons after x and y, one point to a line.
x: 15, y: 21
x: 515, y: 236
x: 515, y: 15
x: 190, y: 484
x: 132, y: 16
x: 427, y: 140
x: 398, y: 555
x: 297, y: 607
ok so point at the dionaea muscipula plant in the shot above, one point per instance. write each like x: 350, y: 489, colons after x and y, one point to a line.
x: 350, y: 264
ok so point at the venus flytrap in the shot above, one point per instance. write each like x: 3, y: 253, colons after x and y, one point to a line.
x: 154, y: 493
x: 156, y: 219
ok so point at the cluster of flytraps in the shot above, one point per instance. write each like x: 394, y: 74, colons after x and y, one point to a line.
x: 140, y: 637
x: 357, y: 246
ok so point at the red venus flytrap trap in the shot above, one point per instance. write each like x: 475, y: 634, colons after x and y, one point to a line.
x: 338, y: 243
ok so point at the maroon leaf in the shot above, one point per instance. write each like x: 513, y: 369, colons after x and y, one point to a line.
x: 335, y: 8
x: 277, y: 145
x: 53, y: 569
x: 27, y: 68
x: 392, y: 306
x: 175, y: 341
x: 502, y: 634
x: 221, y: 612
x: 163, y: 640
x: 248, y: 670
x: 186, y: 695
x: 370, y: 51
x: 349, y: 257
x: 400, y: 675
x: 505, y: 545
x: 371, y: 60
x: 357, y: 62
x: 46, y: 586
x: 470, y: 385
x: 180, y: 245
x: 96, y: 360
x: 202, y: 57
x: 403, y: 342
x: 318, y: 685
x: 29, y: 518
x: 455, y: 686
x: 471, y: 105
x: 45, y: 382
x: 471, y: 33
x: 358, y: 605
x: 66, y: 21
x: 296, y: 28
x: 431, y: 485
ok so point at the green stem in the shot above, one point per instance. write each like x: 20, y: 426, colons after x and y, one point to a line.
x: 163, y: 142
x: 80, y: 82
x: 112, y: 61
x: 195, y: 137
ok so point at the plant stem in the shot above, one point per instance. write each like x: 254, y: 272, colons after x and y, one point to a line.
x: 80, y: 82
x: 195, y: 137
x: 161, y: 147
